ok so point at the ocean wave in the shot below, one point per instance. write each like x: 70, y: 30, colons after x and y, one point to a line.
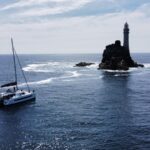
x: 147, y: 65
x: 36, y: 68
x: 137, y: 70
x: 68, y: 76
x: 46, y: 81
x: 68, y: 80
x: 116, y: 71
x: 95, y: 65
x: 73, y: 74
x: 123, y: 71
x: 120, y: 75
x: 100, y: 77
x: 47, y: 66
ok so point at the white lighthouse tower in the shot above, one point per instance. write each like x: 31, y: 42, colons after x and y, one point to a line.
x: 126, y: 36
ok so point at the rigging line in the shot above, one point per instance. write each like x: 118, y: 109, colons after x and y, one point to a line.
x: 14, y: 60
x: 22, y: 70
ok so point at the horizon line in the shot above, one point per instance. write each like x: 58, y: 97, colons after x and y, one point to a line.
x: 66, y: 53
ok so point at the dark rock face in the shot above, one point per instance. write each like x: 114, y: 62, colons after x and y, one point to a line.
x: 117, y: 57
x: 83, y: 64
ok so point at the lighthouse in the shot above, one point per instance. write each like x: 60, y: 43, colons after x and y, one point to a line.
x: 126, y: 36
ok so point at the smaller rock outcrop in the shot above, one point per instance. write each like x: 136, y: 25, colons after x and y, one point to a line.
x: 83, y: 64
x: 117, y: 57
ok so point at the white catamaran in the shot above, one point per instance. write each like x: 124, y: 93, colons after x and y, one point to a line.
x: 13, y: 94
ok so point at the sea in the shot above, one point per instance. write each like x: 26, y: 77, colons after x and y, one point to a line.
x: 77, y: 108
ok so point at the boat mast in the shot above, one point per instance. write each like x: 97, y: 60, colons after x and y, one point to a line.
x: 14, y: 59
x: 22, y: 70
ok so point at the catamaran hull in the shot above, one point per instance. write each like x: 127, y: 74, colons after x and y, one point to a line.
x: 22, y: 99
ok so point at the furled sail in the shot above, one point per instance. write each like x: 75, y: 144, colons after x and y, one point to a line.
x: 9, y: 84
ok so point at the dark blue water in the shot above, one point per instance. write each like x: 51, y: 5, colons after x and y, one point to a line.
x: 77, y: 108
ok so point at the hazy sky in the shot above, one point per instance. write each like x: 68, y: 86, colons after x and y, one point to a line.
x: 72, y: 26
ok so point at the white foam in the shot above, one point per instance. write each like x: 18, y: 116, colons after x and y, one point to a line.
x: 122, y: 71
x: 74, y: 74
x: 49, y: 80
x: 147, y: 65
x: 47, y: 66
x: 71, y: 74
x: 36, y: 68
x: 133, y: 69
x: 46, y: 81
x: 95, y: 65
x: 67, y: 80
x: 116, y: 71
x: 118, y: 75
x: 100, y: 77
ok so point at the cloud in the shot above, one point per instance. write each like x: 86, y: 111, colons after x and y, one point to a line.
x: 27, y: 10
x: 45, y: 7
x: 37, y: 8
x: 79, y: 34
x: 23, y: 3
x: 74, y: 34
x: 65, y: 7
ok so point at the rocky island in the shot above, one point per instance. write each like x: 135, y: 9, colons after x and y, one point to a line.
x: 117, y: 57
x: 83, y: 64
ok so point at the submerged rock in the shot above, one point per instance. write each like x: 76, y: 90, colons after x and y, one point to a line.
x: 83, y: 64
x: 117, y: 57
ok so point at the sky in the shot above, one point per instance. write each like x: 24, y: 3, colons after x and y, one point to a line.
x: 72, y: 26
